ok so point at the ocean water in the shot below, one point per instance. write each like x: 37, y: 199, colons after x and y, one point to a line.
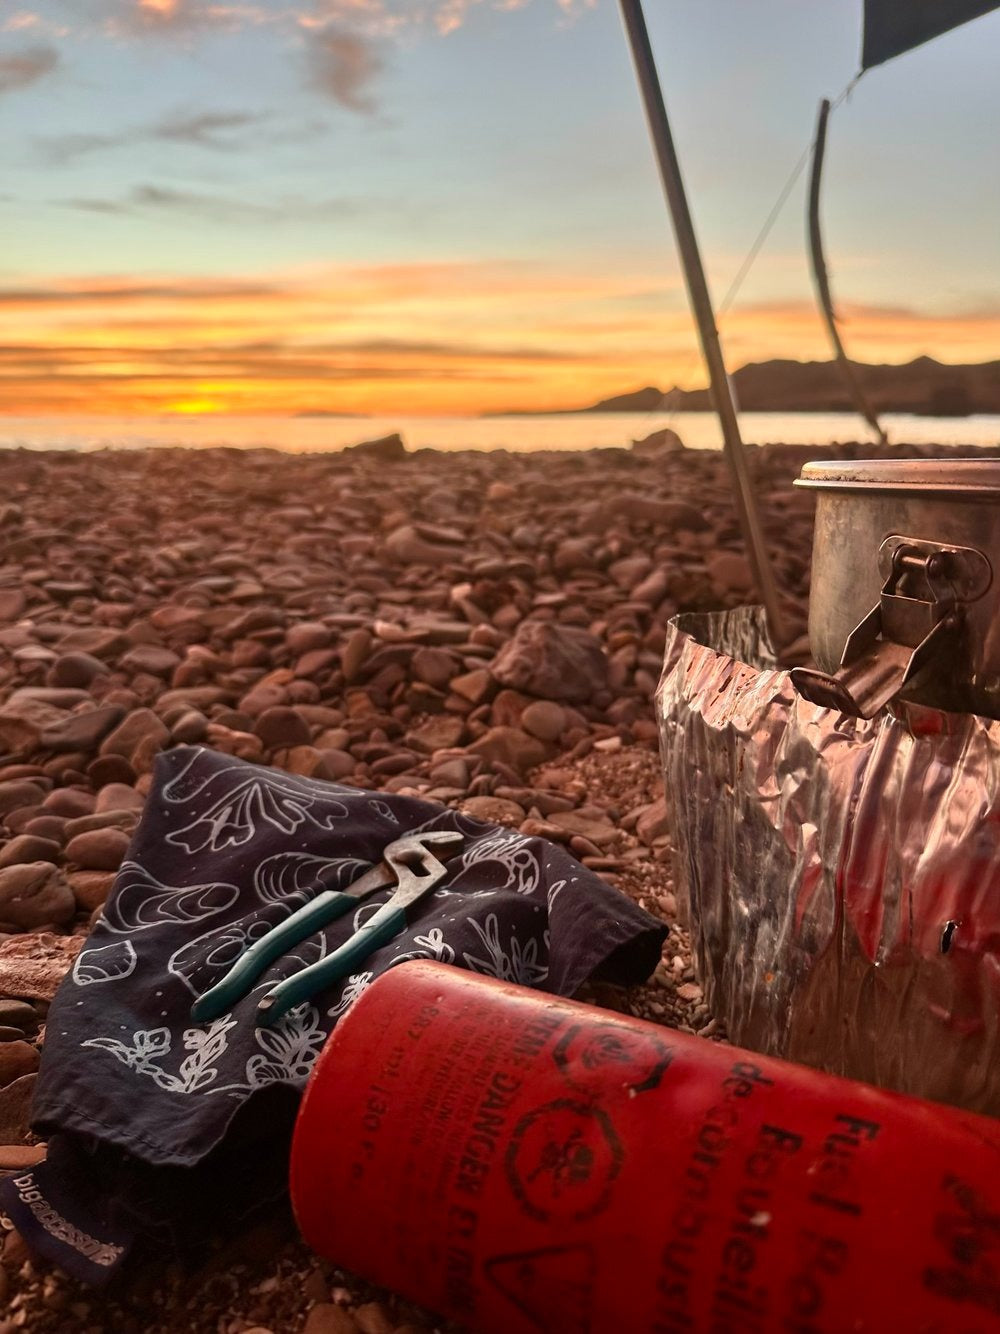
x: 698, y: 430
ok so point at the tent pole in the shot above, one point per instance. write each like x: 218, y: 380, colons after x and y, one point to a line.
x: 701, y: 303
x: 821, y: 280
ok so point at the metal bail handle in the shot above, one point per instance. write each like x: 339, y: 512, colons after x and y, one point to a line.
x: 920, y: 614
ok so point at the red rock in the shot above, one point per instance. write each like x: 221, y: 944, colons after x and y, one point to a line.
x: 22, y: 722
x: 297, y: 759
x: 34, y: 966
x: 250, y: 653
x: 151, y: 658
x: 654, y: 822
x: 15, y: 1115
x: 495, y: 810
x: 34, y: 894
x: 60, y: 697
x: 374, y: 1318
x: 500, y: 492
x: 17, y: 820
x: 126, y: 820
x: 326, y: 1318
x: 46, y: 827
x: 138, y: 739
x: 95, y: 641
x: 98, y: 849
x: 554, y: 662
x: 729, y: 572
x: 386, y: 449
x: 118, y: 797
x: 407, y: 547
x: 251, y: 621
x: 545, y: 720
x: 18, y: 1014
x: 245, y: 745
x: 598, y: 830
x: 16, y: 793
x: 69, y: 802
x: 308, y: 635
x: 12, y: 605
x: 575, y: 553
x: 437, y: 733
x: 532, y: 828
x: 16, y: 1059
x: 189, y: 728
x: 510, y: 746
x: 82, y: 731
x: 653, y: 589
x: 91, y: 888
x: 199, y: 697
x: 76, y: 669
x: 454, y: 773
x: 333, y: 764
x: 29, y: 848
x: 261, y: 698
x: 110, y: 769
x: 333, y: 738
x: 317, y: 662
x: 659, y: 443
x: 283, y: 727
x: 672, y: 514
x: 474, y: 686
x: 434, y: 666
x: 184, y: 625
x: 16, y: 1157
x: 630, y: 570
x: 11, y: 771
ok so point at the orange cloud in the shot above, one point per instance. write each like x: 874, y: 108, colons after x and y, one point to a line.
x: 22, y: 68
x: 444, y: 337
x: 871, y: 333
x: 344, y: 66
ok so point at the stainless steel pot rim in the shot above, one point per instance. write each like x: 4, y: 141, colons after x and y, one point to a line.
x: 977, y: 479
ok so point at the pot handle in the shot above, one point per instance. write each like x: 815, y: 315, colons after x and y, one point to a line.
x: 904, y: 633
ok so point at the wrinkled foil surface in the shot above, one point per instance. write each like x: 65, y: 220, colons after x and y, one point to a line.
x: 842, y: 876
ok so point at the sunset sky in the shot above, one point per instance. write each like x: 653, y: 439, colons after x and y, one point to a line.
x: 448, y: 206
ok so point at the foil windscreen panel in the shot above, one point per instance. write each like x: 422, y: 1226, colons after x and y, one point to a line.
x: 842, y: 876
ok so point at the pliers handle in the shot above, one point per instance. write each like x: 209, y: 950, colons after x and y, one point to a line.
x: 417, y: 871
x: 406, y: 863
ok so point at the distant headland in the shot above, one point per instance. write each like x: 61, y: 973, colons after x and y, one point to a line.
x: 924, y: 386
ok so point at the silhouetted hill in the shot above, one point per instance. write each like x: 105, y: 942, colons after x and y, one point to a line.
x: 923, y: 386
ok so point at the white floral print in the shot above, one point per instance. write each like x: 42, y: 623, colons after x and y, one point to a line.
x: 234, y: 817
x: 516, y: 963
x: 195, y: 1071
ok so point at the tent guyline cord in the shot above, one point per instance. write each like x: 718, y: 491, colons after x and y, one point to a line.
x: 759, y: 241
x: 775, y: 212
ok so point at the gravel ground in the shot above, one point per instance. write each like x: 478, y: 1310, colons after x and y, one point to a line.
x: 484, y: 630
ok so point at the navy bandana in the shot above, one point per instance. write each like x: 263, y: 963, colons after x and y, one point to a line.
x: 226, y: 850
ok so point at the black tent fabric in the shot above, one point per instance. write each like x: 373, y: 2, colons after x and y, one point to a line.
x: 895, y: 26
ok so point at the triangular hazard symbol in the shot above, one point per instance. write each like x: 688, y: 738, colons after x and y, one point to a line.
x: 552, y: 1286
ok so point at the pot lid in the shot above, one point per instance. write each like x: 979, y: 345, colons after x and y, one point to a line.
x: 971, y: 478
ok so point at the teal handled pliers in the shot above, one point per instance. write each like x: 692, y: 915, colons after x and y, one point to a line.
x: 408, y: 863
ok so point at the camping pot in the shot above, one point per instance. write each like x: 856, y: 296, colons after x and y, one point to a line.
x: 904, y: 600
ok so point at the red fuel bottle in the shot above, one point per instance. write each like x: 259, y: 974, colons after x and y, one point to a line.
x: 522, y: 1163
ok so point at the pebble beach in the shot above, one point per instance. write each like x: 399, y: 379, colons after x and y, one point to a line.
x: 484, y: 630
